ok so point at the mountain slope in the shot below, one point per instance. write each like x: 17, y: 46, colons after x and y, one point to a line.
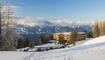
x: 33, y: 27
x: 48, y: 28
x: 93, y: 49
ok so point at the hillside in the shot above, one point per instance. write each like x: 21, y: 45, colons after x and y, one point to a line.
x: 93, y: 49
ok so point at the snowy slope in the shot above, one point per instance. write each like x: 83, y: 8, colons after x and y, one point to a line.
x: 13, y: 55
x: 93, y: 49
x: 95, y: 41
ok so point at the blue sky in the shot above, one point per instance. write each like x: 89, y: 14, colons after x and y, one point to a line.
x: 61, y: 9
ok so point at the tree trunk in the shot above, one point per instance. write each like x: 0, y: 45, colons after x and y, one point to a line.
x: 0, y: 25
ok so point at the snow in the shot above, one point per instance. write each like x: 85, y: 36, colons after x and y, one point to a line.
x: 68, y: 33
x: 49, y: 45
x: 13, y: 55
x: 90, y: 49
x: 96, y: 41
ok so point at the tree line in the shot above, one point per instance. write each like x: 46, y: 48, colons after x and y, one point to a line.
x: 98, y: 29
x: 22, y: 43
x: 43, y: 39
x: 28, y: 42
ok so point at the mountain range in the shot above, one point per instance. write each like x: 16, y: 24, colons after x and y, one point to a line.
x: 33, y: 27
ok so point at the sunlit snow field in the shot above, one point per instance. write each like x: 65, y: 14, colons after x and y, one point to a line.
x: 90, y: 49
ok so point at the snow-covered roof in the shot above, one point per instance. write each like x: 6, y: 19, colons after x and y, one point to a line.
x: 52, y: 40
x: 68, y: 33
x: 49, y: 44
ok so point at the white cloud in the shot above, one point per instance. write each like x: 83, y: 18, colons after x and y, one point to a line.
x: 37, y: 21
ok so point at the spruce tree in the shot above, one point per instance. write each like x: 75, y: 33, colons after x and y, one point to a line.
x: 47, y: 39
x: 39, y: 42
x: 73, y: 36
x: 61, y: 39
x: 27, y: 42
x: 43, y: 39
x: 31, y: 44
x: 20, y: 43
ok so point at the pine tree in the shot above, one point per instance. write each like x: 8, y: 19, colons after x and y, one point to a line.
x: 51, y: 37
x: 20, y: 43
x: 61, y: 39
x: 39, y: 42
x: 73, y: 36
x: 27, y: 42
x: 31, y: 44
x: 47, y: 39
x: 95, y: 31
x: 42, y: 36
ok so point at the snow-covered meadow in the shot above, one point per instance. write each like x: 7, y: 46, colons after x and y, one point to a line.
x: 91, y: 49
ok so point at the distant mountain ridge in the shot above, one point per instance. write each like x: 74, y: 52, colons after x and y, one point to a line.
x: 33, y: 29
x: 49, y: 21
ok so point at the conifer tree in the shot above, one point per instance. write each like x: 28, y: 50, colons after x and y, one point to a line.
x: 95, y: 31
x: 20, y: 43
x: 39, y: 42
x: 47, y: 39
x: 31, y: 44
x: 43, y: 39
x: 61, y: 39
x: 27, y: 42
x: 73, y: 36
